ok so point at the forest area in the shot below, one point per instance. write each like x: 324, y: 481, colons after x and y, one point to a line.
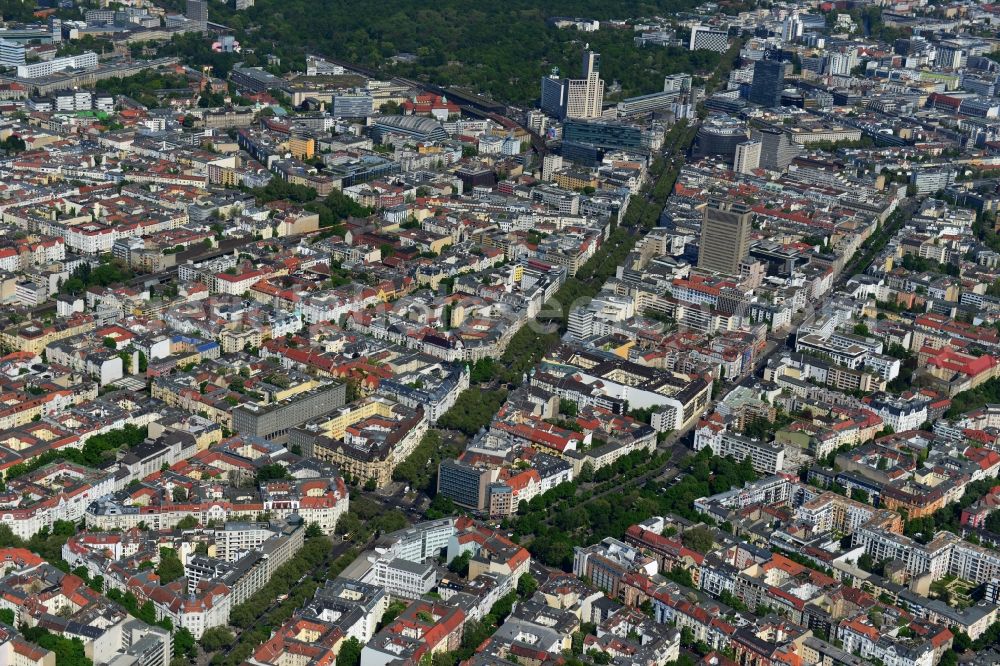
x: 501, y: 50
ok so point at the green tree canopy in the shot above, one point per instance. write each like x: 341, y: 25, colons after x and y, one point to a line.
x: 170, y: 567
x: 350, y: 652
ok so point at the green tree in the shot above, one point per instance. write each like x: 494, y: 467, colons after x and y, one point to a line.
x: 96, y: 450
x: 599, y: 657
x: 866, y: 562
x: 278, y: 189
x: 440, y: 507
x: 272, y: 472
x: 680, y: 576
x: 460, y: 564
x: 350, y: 653
x: 392, y: 612
x: 13, y: 144
x: 216, y: 638
x: 473, y: 410
x: 699, y: 539
x: 526, y: 586
x: 69, y: 652
x: 170, y: 567
x: 187, y: 523
x: 567, y: 407
x: 949, y: 658
x: 483, y: 371
x: 419, y: 470
x: 184, y: 644
x: 390, y: 108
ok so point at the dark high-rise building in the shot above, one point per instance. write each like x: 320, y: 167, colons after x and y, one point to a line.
x: 725, y: 236
x: 554, y: 95
x: 465, y: 484
x: 777, y: 150
x: 474, y: 175
x: 768, y: 83
x: 197, y: 11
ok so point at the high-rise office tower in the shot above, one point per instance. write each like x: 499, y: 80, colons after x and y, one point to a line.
x: 585, y: 96
x: 554, y: 95
x: 792, y: 28
x: 575, y: 98
x: 538, y: 122
x: 550, y: 164
x: 747, y: 157
x: 55, y: 28
x: 777, y: 150
x: 197, y: 11
x: 581, y: 323
x: 12, y: 53
x: 841, y: 64
x: 768, y: 83
x: 707, y: 37
x: 725, y: 236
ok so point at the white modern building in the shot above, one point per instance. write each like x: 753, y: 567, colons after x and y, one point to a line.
x: 747, y: 157
x: 36, y: 70
x: 709, y: 38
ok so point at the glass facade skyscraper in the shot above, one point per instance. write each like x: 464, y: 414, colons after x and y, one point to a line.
x: 768, y: 82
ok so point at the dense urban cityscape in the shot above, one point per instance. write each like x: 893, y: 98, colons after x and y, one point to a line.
x: 555, y: 333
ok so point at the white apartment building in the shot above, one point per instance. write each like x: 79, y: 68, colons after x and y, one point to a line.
x: 237, y: 538
x: 933, y: 558
x: 343, y: 600
x: 832, y: 512
x: 865, y: 640
x: 747, y: 156
x: 767, y: 458
x: 974, y: 563
x: 900, y: 415
x: 402, y: 578
x: 37, y: 70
